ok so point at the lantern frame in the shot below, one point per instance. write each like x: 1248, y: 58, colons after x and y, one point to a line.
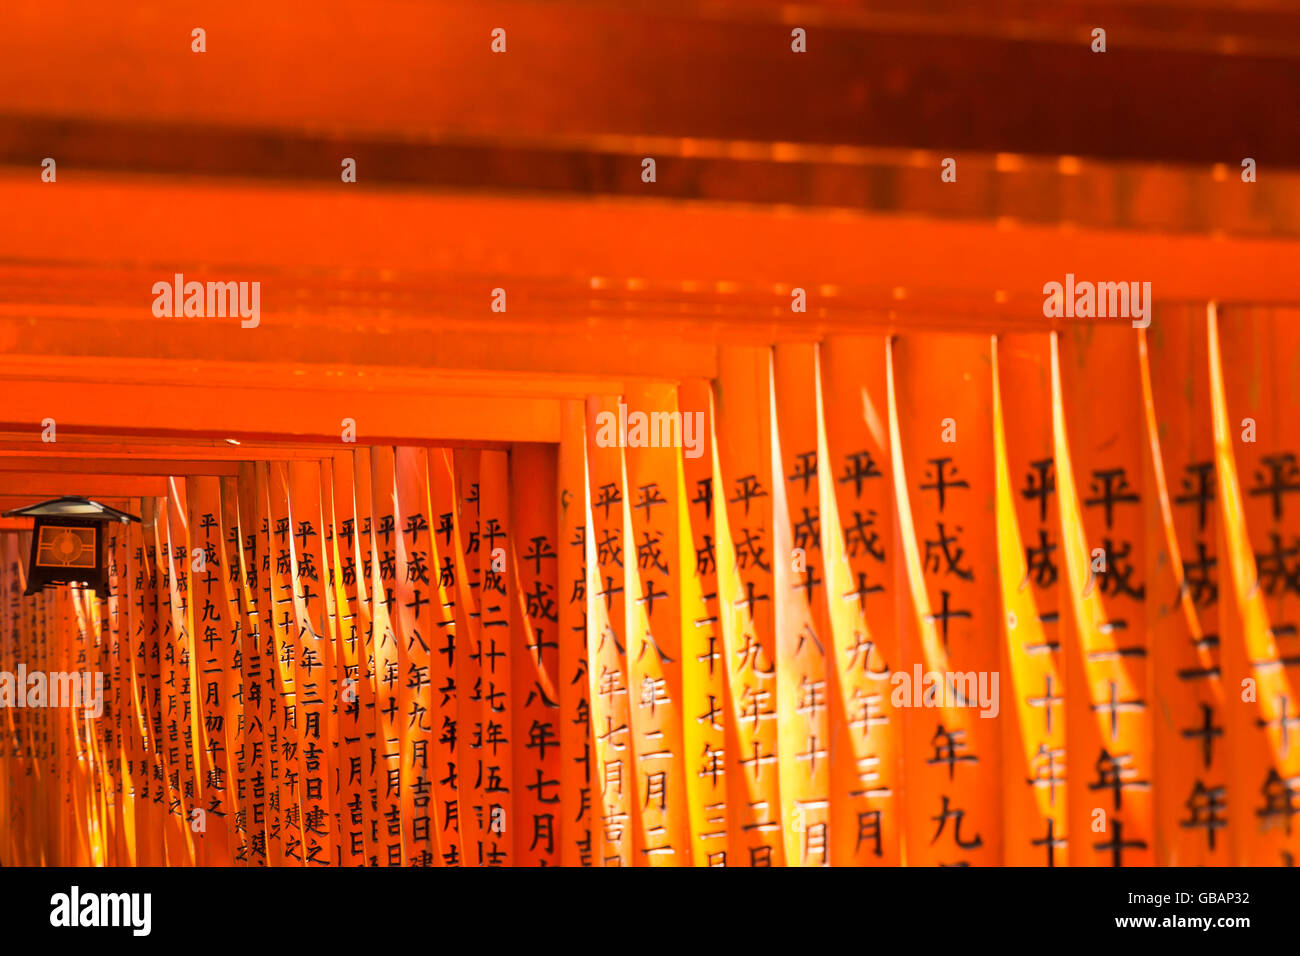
x: 70, y: 514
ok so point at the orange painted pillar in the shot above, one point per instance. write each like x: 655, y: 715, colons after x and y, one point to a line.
x: 1252, y: 386
x: 653, y: 558
x: 576, y: 743
x: 257, y: 657
x: 284, y: 826
x: 177, y: 741
x: 146, y: 655
x: 242, y: 658
x: 496, y: 645
x: 860, y: 560
x: 1100, y: 467
x: 1183, y: 574
x: 366, y: 572
x: 705, y: 685
x: 757, y: 807
x: 1030, y: 566
x: 313, y: 650
x: 616, y: 767
x: 415, y: 593
x: 799, y: 574
x: 469, y: 677
x: 940, y: 430
x: 213, y: 650
x: 388, y: 669
x: 532, y: 560
x: 445, y: 572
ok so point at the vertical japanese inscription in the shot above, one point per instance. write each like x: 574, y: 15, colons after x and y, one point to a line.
x: 1029, y: 565
x: 941, y: 424
x: 705, y: 711
x: 497, y: 652
x: 858, y: 534
x: 803, y: 652
x: 388, y: 667
x: 1252, y: 385
x: 1100, y: 471
x: 576, y: 744
x: 616, y: 766
x: 743, y: 408
x: 656, y: 490
x: 1191, y: 760
x: 415, y: 597
x: 445, y: 571
x: 538, y: 714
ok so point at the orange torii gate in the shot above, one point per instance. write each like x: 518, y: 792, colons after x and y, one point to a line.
x: 924, y: 598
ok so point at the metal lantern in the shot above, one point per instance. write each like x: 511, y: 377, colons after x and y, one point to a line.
x: 69, y: 543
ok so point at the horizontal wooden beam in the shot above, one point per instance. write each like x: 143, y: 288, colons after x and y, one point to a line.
x: 52, y: 485
x: 990, y: 77
x: 366, y: 279
x: 110, y: 449
x: 135, y: 465
x: 348, y: 362
x: 1186, y: 197
x: 265, y: 414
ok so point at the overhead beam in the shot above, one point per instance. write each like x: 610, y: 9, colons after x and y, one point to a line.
x: 264, y: 414
x: 366, y: 279
x: 70, y: 444
x: 218, y: 362
x: 48, y: 485
x: 1182, y: 197
x: 988, y: 77
x: 126, y: 466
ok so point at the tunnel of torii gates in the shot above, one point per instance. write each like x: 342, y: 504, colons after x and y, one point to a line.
x: 492, y: 629
x: 607, y: 648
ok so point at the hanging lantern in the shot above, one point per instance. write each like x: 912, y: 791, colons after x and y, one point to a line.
x: 69, y: 543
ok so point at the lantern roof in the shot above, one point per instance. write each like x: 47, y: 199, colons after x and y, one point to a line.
x: 71, y: 506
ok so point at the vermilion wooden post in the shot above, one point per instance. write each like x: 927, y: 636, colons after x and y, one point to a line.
x: 388, y: 730
x: 757, y: 808
x: 313, y: 651
x: 576, y: 742
x: 616, y: 769
x: 447, y: 649
x: 804, y: 651
x: 243, y: 666
x: 355, y: 687
x: 284, y: 812
x: 861, y: 591
x: 467, y: 521
x: 496, y: 645
x: 1036, y: 764
x: 258, y: 662
x: 151, y: 805
x: 705, y: 678
x: 535, y: 733
x: 1252, y: 388
x: 13, y: 810
x: 940, y: 430
x: 95, y: 783
x: 1185, y: 582
x: 414, y: 594
x: 174, y: 742
x: 212, y: 648
x: 372, y: 773
x: 1102, y: 494
x: 331, y: 612
x: 123, y: 724
x: 653, y: 555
